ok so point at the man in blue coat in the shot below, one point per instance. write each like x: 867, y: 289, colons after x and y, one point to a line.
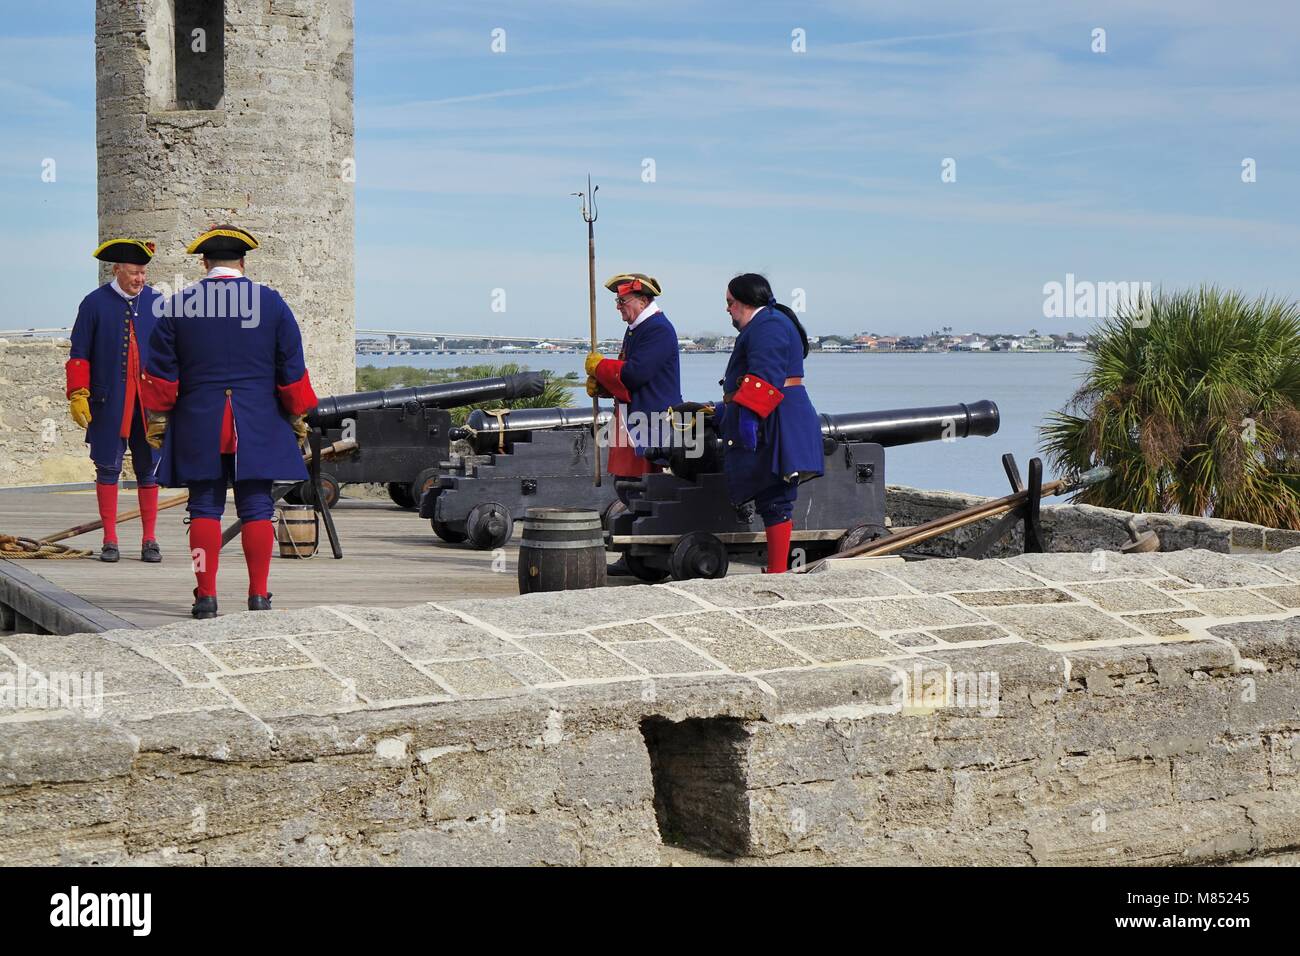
x: 645, y: 381
x: 227, y: 388
x: 770, y: 431
x: 109, y: 342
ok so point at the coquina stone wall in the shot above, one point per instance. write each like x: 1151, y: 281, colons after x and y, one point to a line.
x: 1044, y: 709
x: 39, y: 442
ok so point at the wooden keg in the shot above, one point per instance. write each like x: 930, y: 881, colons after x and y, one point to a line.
x: 562, y: 549
x: 297, y: 531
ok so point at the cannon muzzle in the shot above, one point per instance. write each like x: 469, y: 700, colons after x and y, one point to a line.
x: 910, y: 426
x: 489, y: 432
x: 334, y: 408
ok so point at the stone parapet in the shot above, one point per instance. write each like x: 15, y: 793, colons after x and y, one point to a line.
x: 1095, y: 709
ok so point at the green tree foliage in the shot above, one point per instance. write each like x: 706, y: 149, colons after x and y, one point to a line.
x: 557, y: 393
x: 1192, y: 402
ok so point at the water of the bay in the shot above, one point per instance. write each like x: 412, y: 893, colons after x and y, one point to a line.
x: 1026, y: 387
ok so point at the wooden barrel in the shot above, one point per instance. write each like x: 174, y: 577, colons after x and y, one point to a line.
x: 562, y: 549
x: 296, y: 531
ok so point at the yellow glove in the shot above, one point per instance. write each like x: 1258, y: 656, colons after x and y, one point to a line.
x: 157, y: 426
x: 299, y: 423
x: 79, y: 407
x: 593, y: 359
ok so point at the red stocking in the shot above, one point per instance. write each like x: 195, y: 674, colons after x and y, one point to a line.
x: 148, y: 511
x: 778, y: 547
x: 258, y: 538
x: 205, y: 550
x: 106, y: 496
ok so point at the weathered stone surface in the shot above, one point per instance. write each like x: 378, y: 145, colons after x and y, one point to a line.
x: 785, y: 617
x: 253, y: 655
x: 1170, y: 624
x: 1229, y: 602
x: 1235, y: 765
x: 899, y: 614
x: 731, y: 641
x: 578, y: 657
x: 1197, y: 833
x: 367, y: 664
x: 1060, y: 625
x: 466, y: 784
x: 1090, y: 741
x: 1273, y: 642
x: 665, y: 657
x: 1003, y: 598
x: 558, y: 612
x: 1125, y: 596
x: 478, y: 677
x: 280, y: 693
x: 1214, y: 570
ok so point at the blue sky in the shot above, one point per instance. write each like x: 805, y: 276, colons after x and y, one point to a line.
x: 821, y: 169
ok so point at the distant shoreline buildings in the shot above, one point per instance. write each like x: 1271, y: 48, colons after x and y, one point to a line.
x: 938, y: 341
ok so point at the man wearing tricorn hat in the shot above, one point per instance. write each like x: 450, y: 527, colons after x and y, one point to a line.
x: 644, y: 381
x: 109, y: 339
x: 227, y: 386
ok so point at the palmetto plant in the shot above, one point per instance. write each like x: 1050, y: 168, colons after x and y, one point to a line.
x: 1191, y: 399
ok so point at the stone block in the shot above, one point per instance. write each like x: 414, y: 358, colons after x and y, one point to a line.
x: 785, y: 617
x: 471, y: 784
x: 260, y: 654
x: 1275, y: 643
x: 1212, y: 570
x: 1126, y: 596
x: 375, y: 670
x: 905, y: 614
x: 961, y: 574
x: 1226, y: 767
x: 1004, y: 598
x: 731, y: 641
x: 1186, y: 833
x: 605, y: 769
x: 665, y: 656
x: 282, y: 693
x: 1062, y: 624
x: 578, y: 657
x: 553, y: 613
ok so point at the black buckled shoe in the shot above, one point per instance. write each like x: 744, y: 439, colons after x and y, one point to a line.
x: 258, y: 602
x: 110, y: 553
x: 150, y: 553
x: 619, y: 569
x: 204, y: 607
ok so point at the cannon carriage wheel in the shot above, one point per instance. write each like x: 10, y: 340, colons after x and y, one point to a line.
x: 860, y: 534
x: 304, y: 494
x: 642, y: 570
x: 489, y: 525
x: 698, y: 555
x: 400, y: 492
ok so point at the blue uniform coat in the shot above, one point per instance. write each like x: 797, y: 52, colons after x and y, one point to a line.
x: 790, y: 438
x: 238, y: 341
x: 99, y: 337
x: 652, y: 368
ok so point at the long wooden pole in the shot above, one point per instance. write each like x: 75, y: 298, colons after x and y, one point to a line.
x: 595, y: 401
x: 959, y: 519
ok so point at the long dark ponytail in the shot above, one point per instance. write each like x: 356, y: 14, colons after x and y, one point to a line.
x: 755, y: 291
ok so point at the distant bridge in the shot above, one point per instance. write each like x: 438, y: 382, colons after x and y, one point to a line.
x: 442, y: 337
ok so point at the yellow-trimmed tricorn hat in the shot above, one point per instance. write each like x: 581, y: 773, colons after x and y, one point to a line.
x: 223, y: 242
x: 130, y: 251
x: 626, y: 283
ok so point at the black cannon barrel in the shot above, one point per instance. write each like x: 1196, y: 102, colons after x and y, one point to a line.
x: 334, y: 408
x: 909, y: 426
x: 484, y: 430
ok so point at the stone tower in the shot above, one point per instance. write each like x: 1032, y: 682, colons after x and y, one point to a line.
x: 239, y: 111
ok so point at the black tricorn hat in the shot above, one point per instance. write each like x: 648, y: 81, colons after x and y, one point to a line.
x: 130, y: 251
x: 223, y: 242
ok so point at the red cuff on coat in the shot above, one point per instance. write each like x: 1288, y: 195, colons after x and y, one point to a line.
x: 157, y: 394
x: 298, y: 398
x: 758, y: 396
x: 78, y: 372
x: 609, y: 374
